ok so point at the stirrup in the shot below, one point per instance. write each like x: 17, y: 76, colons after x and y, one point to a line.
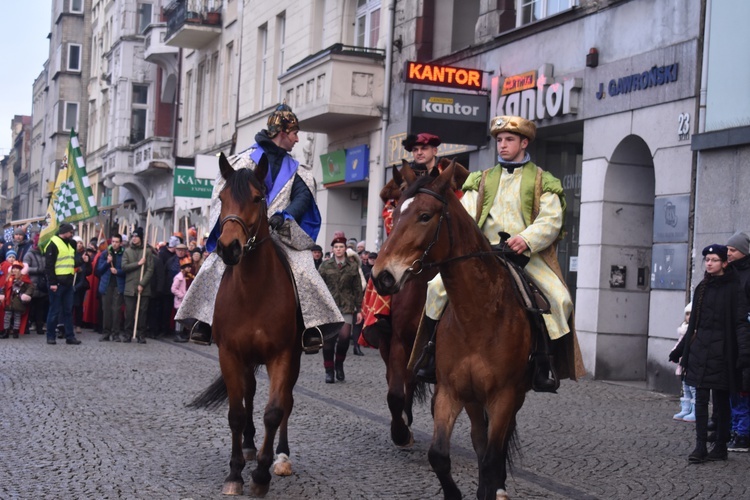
x: 197, y: 337
x: 314, y: 343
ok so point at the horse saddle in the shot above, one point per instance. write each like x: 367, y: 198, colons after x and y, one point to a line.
x: 528, y: 293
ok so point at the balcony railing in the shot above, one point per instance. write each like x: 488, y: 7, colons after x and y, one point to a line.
x: 153, y: 155
x: 336, y: 87
x: 155, y: 49
x: 192, y: 24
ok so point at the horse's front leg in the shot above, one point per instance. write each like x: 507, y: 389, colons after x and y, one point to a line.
x: 282, y: 466
x: 493, y: 465
x: 249, y: 450
x: 479, y: 426
x: 446, y: 410
x: 231, y: 371
x: 401, y: 435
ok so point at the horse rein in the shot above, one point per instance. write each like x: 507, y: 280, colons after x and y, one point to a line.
x: 419, y: 264
x: 251, y: 243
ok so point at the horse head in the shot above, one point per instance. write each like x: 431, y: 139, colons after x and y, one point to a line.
x: 244, y: 219
x: 420, y: 233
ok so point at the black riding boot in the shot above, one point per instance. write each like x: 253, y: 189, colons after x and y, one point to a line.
x: 425, y: 366
x: 544, y: 375
x: 381, y: 329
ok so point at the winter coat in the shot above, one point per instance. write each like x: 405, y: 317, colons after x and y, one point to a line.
x: 742, y: 267
x: 35, y: 260
x: 130, y: 258
x: 22, y: 249
x: 179, y: 289
x: 81, y: 284
x: 14, y: 288
x: 344, y: 284
x: 159, y: 284
x: 717, y: 341
x: 104, y: 273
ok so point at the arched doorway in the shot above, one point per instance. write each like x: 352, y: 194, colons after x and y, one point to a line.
x: 621, y: 286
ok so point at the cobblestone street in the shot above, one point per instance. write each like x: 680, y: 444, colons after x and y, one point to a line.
x: 108, y: 420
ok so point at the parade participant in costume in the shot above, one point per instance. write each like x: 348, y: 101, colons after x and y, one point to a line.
x: 295, y: 222
x: 513, y: 191
x: 16, y: 297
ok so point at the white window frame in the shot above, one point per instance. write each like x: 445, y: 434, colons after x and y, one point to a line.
x: 281, y: 44
x: 73, y: 9
x: 366, y: 11
x: 65, y: 115
x: 544, y: 4
x: 80, y: 58
x: 139, y: 106
x: 263, y: 49
x: 139, y: 17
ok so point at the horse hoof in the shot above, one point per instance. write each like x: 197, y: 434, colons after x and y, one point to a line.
x: 282, y: 466
x: 501, y: 494
x: 249, y: 454
x: 232, y: 488
x: 408, y: 444
x: 259, y: 490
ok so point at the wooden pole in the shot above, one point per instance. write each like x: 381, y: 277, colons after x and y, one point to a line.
x: 186, y: 230
x: 143, y: 268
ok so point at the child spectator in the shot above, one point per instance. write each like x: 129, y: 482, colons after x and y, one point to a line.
x: 16, y: 297
x: 687, y: 401
x: 180, y: 284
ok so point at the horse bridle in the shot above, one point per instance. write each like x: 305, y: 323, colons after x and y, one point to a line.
x: 419, y: 263
x: 251, y: 243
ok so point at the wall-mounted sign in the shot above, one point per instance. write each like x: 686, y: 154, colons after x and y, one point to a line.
x: 671, y: 219
x: 540, y: 101
x: 657, y: 75
x: 334, y: 166
x: 444, y: 76
x: 518, y: 83
x: 357, y: 163
x: 455, y: 118
x: 186, y: 184
x: 669, y: 266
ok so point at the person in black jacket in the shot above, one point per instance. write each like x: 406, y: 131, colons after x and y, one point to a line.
x: 714, y: 349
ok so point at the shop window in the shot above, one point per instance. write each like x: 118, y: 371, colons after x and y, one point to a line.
x: 74, y: 57
x: 530, y: 11
x: 367, y: 23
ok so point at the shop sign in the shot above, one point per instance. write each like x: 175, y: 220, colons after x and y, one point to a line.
x: 545, y: 99
x: 518, y: 83
x: 334, y: 166
x: 455, y: 118
x: 357, y: 163
x: 443, y: 76
x: 187, y: 185
x: 656, y: 76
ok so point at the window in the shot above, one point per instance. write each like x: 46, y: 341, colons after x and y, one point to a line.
x: 76, y: 6
x: 139, y: 113
x: 74, y: 57
x: 367, y: 25
x: 70, y: 120
x: 200, y: 84
x: 144, y: 16
x: 186, y: 107
x: 280, y: 42
x: 534, y: 10
x: 263, y: 57
x: 226, y: 91
x: 213, y: 91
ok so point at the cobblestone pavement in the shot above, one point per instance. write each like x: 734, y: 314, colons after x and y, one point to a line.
x: 108, y: 420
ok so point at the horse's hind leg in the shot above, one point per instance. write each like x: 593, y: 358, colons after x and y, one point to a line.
x: 248, y: 444
x: 237, y: 418
x: 479, y: 426
x: 493, y: 466
x: 446, y: 411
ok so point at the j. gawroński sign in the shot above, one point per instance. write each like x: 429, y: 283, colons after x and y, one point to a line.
x: 443, y: 76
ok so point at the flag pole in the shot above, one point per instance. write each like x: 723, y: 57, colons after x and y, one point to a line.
x: 143, y: 268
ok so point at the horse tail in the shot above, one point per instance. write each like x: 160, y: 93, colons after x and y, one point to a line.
x: 514, y: 449
x: 212, y: 397
x: 422, y: 392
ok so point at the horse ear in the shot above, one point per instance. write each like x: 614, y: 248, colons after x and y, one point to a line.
x: 409, y: 177
x: 397, y: 177
x: 224, y: 167
x: 261, y: 169
x: 445, y: 179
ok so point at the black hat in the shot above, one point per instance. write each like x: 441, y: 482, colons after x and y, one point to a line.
x: 138, y: 232
x: 316, y: 248
x: 66, y: 227
x: 372, y: 255
x: 715, y: 249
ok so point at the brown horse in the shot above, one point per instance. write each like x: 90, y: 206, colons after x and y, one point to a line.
x: 406, y: 308
x: 256, y: 322
x: 483, y: 340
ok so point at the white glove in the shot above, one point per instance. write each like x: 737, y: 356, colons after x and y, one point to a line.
x: 25, y: 297
x: 2, y: 297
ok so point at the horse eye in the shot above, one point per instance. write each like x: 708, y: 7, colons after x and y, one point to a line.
x: 424, y: 217
x: 257, y: 199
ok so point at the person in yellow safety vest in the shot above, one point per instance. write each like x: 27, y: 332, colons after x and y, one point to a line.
x: 60, y: 263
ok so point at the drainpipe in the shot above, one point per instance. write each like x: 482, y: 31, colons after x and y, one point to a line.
x: 377, y: 176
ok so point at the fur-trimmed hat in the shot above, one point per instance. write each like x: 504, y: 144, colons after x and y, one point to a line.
x: 741, y: 242
x: 282, y: 120
x: 423, y: 139
x: 514, y: 125
x: 719, y: 250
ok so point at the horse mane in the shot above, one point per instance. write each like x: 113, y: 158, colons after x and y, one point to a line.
x: 421, y: 182
x: 238, y: 184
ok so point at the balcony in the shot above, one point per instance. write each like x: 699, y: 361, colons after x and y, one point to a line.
x: 156, y: 51
x: 336, y: 88
x: 153, y: 156
x: 192, y: 24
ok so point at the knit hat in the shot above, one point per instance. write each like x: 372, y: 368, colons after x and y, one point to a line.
x: 66, y: 227
x: 282, y: 120
x: 11, y: 253
x: 718, y: 250
x: 138, y: 232
x: 514, y: 125
x: 20, y: 230
x: 689, y: 307
x: 741, y: 242
x: 423, y: 139
x: 173, y: 241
